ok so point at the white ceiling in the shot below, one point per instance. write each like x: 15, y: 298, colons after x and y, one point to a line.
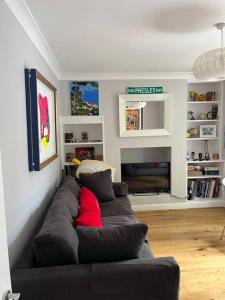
x: 128, y: 36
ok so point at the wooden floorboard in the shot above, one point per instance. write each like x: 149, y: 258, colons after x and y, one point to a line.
x: 192, y: 236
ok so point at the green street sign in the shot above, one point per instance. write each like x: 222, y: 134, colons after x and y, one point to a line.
x: 145, y: 90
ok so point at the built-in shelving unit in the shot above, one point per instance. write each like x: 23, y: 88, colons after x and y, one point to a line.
x: 197, y: 144
x: 93, y: 125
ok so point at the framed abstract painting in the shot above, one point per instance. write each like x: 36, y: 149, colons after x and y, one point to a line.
x: 84, y: 96
x: 41, y: 120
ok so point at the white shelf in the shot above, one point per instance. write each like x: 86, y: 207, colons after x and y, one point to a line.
x: 68, y: 164
x: 199, y: 121
x: 202, y: 139
x: 203, y: 102
x: 83, y: 144
x: 76, y: 120
x: 205, y: 161
x: 205, y: 177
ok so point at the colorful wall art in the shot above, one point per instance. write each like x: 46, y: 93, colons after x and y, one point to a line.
x: 133, y: 119
x: 41, y: 120
x: 84, y: 98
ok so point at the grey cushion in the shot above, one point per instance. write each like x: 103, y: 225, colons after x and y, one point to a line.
x: 72, y: 184
x: 119, y: 220
x: 111, y: 244
x: 100, y: 183
x: 120, y: 189
x: 57, y: 242
x: 146, y: 251
x: 121, y: 206
x: 65, y: 195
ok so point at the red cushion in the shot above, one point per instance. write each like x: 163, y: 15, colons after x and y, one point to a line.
x: 90, y: 214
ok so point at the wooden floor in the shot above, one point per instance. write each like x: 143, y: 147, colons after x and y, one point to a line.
x: 192, y: 236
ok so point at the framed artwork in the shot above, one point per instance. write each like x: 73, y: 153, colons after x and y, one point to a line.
x: 84, y: 96
x: 133, y: 119
x: 41, y: 120
x: 83, y: 153
x: 207, y: 131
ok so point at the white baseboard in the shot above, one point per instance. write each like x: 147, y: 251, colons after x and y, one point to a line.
x: 166, y: 201
x: 192, y: 204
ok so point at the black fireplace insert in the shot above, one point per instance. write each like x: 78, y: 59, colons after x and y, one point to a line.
x: 146, y: 177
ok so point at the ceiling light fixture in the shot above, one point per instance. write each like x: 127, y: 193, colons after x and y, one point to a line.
x: 211, y: 64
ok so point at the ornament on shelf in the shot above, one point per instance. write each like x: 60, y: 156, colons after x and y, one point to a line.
x: 212, y: 114
x: 193, y: 95
x: 69, y: 157
x: 206, y: 150
x: 75, y: 162
x: 193, y: 156
x: 190, y: 194
x: 200, y: 156
x: 84, y: 136
x: 68, y: 137
x: 202, y: 116
x: 210, y: 96
x: 194, y: 132
x: 191, y: 115
x: 215, y: 156
x: 201, y: 98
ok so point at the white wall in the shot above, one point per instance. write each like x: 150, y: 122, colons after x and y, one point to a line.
x: 109, y: 91
x: 26, y: 194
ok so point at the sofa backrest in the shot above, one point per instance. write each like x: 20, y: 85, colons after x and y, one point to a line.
x: 69, y: 201
x: 57, y: 242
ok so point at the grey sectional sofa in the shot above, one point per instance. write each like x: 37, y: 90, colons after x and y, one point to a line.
x: 146, y: 278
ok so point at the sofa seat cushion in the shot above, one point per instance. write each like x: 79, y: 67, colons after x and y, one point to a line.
x: 120, y: 206
x: 66, y: 196
x: 111, y: 244
x: 119, y: 220
x: 57, y: 242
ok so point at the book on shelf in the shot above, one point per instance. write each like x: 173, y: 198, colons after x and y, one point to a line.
x: 205, y: 188
x: 194, y: 173
x: 211, y: 171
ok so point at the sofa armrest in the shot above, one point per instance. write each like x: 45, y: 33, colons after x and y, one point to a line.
x: 153, y: 278
x: 120, y: 189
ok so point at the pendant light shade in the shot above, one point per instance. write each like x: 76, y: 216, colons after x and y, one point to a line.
x: 211, y: 64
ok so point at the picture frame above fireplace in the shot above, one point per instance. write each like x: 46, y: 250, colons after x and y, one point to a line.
x: 155, y: 115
